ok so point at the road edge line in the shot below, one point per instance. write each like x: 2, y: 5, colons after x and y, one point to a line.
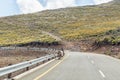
x: 32, y: 70
x: 50, y: 69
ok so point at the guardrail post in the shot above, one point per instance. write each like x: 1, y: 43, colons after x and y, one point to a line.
x: 43, y: 62
x: 37, y: 64
x: 53, y: 57
x: 49, y: 59
x: 27, y: 68
x: 9, y: 75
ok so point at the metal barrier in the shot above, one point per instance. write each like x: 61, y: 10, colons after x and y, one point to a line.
x: 10, y: 69
x: 25, y: 48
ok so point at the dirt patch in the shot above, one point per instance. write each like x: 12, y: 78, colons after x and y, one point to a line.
x: 109, y: 50
x: 87, y: 46
x: 84, y: 45
x: 8, y: 57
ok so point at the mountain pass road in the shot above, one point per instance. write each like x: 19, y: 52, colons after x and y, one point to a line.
x: 79, y: 66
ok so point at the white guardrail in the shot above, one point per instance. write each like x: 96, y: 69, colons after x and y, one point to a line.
x: 16, y: 67
x: 25, y: 48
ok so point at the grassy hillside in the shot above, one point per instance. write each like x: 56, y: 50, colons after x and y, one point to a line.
x: 11, y: 34
x: 71, y: 24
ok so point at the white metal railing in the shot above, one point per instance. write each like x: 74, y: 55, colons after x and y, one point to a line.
x: 13, y: 68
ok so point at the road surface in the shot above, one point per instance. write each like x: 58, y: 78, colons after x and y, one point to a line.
x: 79, y: 66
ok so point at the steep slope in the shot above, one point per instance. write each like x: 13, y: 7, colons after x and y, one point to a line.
x: 70, y: 24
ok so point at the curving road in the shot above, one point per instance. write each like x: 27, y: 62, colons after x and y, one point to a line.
x: 79, y: 66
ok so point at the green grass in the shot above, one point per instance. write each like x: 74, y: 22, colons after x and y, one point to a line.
x: 71, y: 24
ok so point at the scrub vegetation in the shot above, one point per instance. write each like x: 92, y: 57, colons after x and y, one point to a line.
x: 100, y: 23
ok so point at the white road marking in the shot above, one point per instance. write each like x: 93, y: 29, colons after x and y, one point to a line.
x: 102, y: 74
x: 46, y: 72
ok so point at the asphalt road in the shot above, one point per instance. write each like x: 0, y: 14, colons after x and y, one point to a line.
x: 79, y: 66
